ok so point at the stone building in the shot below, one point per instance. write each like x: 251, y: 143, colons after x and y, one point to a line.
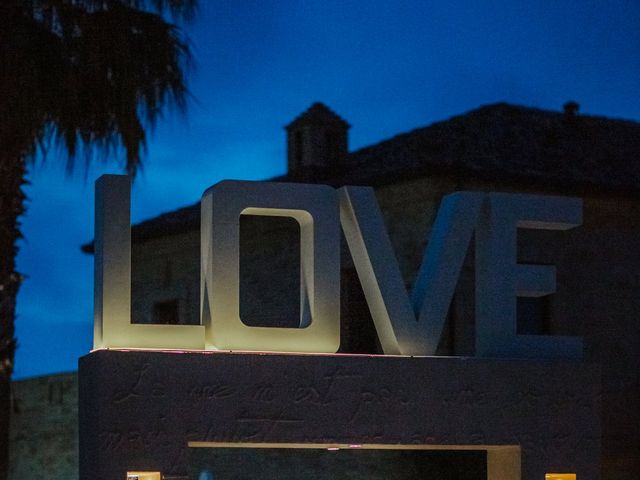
x: 44, y: 428
x: 498, y: 147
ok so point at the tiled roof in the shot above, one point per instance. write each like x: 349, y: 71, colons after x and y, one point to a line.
x: 499, y: 142
x: 512, y: 143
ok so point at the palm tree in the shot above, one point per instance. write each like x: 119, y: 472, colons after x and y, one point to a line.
x: 88, y: 76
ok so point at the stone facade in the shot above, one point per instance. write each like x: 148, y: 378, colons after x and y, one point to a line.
x: 44, y: 428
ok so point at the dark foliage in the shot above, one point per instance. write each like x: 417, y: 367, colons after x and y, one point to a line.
x: 89, y: 77
x: 88, y: 74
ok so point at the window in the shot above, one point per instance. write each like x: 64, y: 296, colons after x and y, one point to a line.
x: 533, y: 315
x: 298, y: 148
x: 166, y: 313
x: 332, y: 146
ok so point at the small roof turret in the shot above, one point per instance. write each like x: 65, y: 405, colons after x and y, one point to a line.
x: 318, y: 114
x: 317, y: 144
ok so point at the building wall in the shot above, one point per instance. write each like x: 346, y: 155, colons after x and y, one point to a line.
x: 163, y: 270
x: 43, y: 440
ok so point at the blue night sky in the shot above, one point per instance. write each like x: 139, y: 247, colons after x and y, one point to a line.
x: 386, y: 67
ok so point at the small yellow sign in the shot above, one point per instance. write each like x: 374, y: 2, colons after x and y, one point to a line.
x: 560, y: 476
x: 144, y: 476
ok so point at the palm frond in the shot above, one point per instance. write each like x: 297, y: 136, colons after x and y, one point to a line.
x: 99, y: 72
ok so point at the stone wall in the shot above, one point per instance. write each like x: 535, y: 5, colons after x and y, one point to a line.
x: 43, y: 439
x: 166, y: 269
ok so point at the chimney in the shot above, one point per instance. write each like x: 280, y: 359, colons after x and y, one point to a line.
x: 317, y: 144
x: 571, y: 109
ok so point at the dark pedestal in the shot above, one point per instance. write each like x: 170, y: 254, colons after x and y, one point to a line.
x: 139, y: 410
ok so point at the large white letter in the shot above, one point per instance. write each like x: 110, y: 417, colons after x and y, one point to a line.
x: 316, y: 210
x: 393, y: 313
x: 500, y: 279
x: 112, y: 271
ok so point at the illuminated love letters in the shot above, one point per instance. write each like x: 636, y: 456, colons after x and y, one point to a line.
x: 406, y: 324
